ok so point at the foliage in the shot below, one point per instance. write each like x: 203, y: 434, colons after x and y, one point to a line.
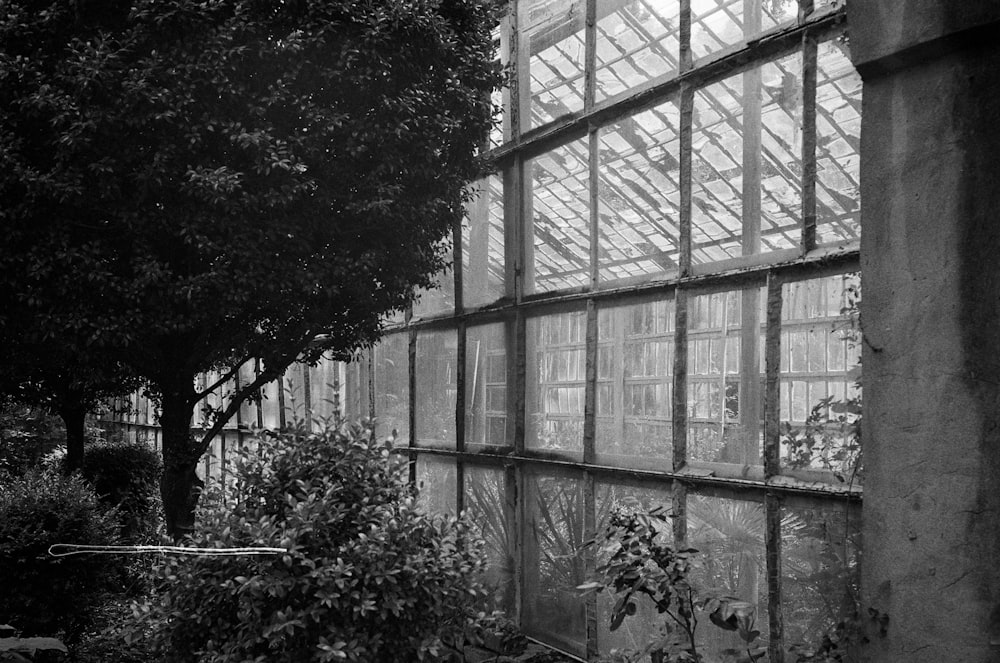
x: 41, y: 594
x: 188, y: 184
x: 366, y: 577
x: 643, y: 565
x: 126, y: 477
x: 27, y: 433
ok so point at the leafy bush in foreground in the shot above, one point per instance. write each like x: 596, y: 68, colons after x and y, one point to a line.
x: 366, y: 576
x: 127, y: 476
x: 44, y: 595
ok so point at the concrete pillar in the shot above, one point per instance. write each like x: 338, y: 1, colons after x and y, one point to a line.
x: 930, y: 173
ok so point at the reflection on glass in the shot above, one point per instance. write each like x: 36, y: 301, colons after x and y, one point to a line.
x: 554, y: 565
x: 560, y: 200
x: 485, y: 386
x: 436, y: 387
x: 555, y: 382
x: 483, y: 245
x: 722, y: 424
x: 731, y: 561
x: 437, y: 485
x: 635, y: 359
x: 638, y: 629
x: 820, y: 550
x: 838, y: 143
x: 636, y: 42
x: 486, y: 505
x: 552, y: 59
x: 820, y: 376
x: 639, y: 194
x: 392, y: 388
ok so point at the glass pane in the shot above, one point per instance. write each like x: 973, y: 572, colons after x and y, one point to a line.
x: 490, y: 515
x: 731, y: 561
x: 780, y: 89
x: 717, y: 172
x: 392, y: 388
x: 820, y: 550
x: 635, y: 385
x: 485, y: 386
x: 357, y: 404
x: 637, y: 41
x: 437, y: 388
x: 483, y: 245
x: 638, y: 629
x: 439, y: 300
x: 554, y: 610
x: 555, y: 384
x: 269, y: 405
x: 718, y: 24
x: 560, y: 197
x: 295, y: 394
x: 324, y: 388
x: 552, y: 59
x: 820, y: 376
x: 838, y: 144
x: 436, y: 481
x: 248, y: 409
x: 724, y: 422
x: 501, y: 131
x: 639, y: 194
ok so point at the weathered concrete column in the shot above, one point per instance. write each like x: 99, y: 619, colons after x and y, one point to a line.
x: 930, y: 172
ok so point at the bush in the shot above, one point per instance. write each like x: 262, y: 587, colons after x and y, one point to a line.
x: 366, y: 576
x: 127, y: 476
x: 26, y: 434
x: 44, y: 595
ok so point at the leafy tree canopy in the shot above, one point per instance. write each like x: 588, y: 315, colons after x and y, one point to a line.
x: 192, y: 183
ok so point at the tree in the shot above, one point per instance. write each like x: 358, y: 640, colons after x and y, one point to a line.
x: 234, y: 179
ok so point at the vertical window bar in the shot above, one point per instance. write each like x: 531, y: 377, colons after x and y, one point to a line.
x: 459, y: 486
x: 752, y: 148
x: 772, y: 370
x: 772, y: 541
x: 750, y: 387
x: 513, y: 212
x: 680, y: 381
x: 590, y: 390
x: 685, y: 39
x: 516, y: 366
x: 590, y: 552
x: 687, y: 111
x: 307, y: 396
x: 595, y: 203
x: 411, y: 374
x: 281, y: 401
x: 806, y: 8
x: 809, y: 69
x: 521, y: 83
x: 590, y: 55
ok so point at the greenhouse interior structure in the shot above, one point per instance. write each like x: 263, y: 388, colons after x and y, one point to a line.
x: 657, y: 300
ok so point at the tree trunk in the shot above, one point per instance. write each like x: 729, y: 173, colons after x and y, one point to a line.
x: 180, y: 485
x: 74, y: 416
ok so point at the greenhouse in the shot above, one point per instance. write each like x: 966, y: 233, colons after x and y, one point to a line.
x: 656, y: 300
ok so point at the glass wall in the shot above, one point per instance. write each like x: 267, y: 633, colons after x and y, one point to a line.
x: 653, y: 302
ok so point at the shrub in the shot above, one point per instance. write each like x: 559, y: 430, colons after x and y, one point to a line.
x: 126, y: 476
x: 44, y: 595
x: 366, y: 577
